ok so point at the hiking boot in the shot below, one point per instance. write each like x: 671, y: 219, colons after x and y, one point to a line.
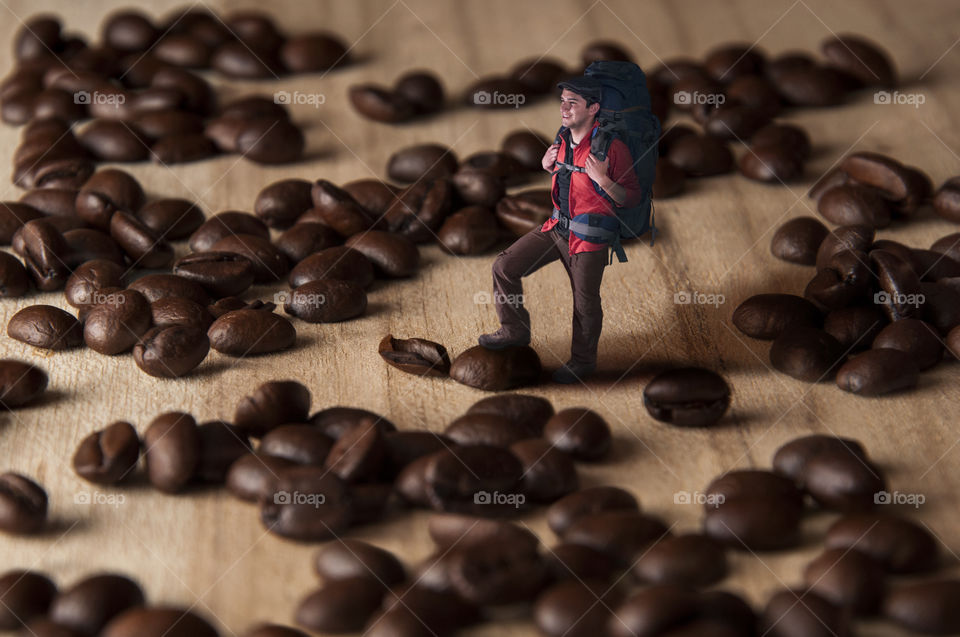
x: 573, y: 372
x: 502, y: 339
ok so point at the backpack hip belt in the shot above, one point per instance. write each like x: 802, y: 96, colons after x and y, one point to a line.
x: 595, y: 228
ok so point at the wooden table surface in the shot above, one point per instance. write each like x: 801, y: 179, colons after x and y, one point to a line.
x: 208, y: 549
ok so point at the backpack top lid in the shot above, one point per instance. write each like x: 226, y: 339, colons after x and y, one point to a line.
x: 624, y: 85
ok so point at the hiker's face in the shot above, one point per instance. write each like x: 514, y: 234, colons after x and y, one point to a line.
x: 573, y: 110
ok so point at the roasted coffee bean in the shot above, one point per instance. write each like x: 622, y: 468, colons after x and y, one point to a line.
x: 855, y: 327
x: 391, y: 255
x: 271, y: 142
x: 350, y: 558
x: 859, y: 57
x: 129, y: 31
x: 313, y: 52
x: 14, y: 280
x: 44, y: 253
x: 497, y: 164
x: 37, y: 37
x: 450, y: 530
x: 496, y: 370
x: 807, y: 353
x: 524, y: 211
x: 851, y: 204
x: 847, y: 579
x: 419, y: 211
x: 341, y: 606
x: 221, y: 273
x: 925, y: 607
x: 548, y: 472
x: 683, y: 560
x: 495, y: 573
x: 941, y: 304
x: 830, y: 179
x: 791, y: 459
x: 915, y: 337
x: 687, y: 397
x: 403, y: 447
x: 176, y: 310
x: 421, y: 163
x: 52, y: 202
x: 274, y: 630
x: 526, y: 147
x: 415, y: 356
x: 411, y: 482
x: 226, y: 224
x: 111, y: 140
x: 770, y: 163
x: 621, y: 534
x: 373, y: 195
x: 946, y: 201
x: 181, y: 49
x: 335, y: 207
x: 171, y: 351
x: 797, y: 240
x: 302, y: 444
x: 24, y: 595
x: 380, y: 104
x: 883, y: 173
x: 23, y: 504
x: 475, y: 186
x: 221, y: 445
x: 91, y: 277
x: 105, y: 193
x: 488, y: 429
x: 753, y: 509
x: 575, y: 608
x: 932, y: 266
x: 86, y: 244
x: 588, y: 502
x: 250, y: 332
x: 109, y: 455
x: 814, y: 86
x: 199, y: 94
x: 45, y: 326
x: 422, y: 89
x: 582, y: 433
x: 787, y: 136
x: 878, y: 371
x: 269, y: 263
x: 254, y: 476
x: 309, y: 504
x: 797, y: 613
x: 334, y: 421
x: 67, y: 173
x: 900, y: 286
x: 55, y: 102
x: 701, y: 155
x: 567, y: 561
x: 462, y: 480
x: 159, y: 286
x: 12, y: 217
x: 224, y: 131
x: 114, y: 325
x: 339, y: 262
x: 358, y: 454
x: 90, y: 604
x: 856, y: 238
x: 181, y: 148
x: 158, y: 622
x: 898, y: 544
x: 280, y: 203
x: 172, y: 451
x: 842, y: 480
x: 20, y: 382
x: 145, y: 248
x: 325, y: 301
x: 411, y: 609
x: 238, y: 60
x: 305, y: 238
x: 471, y: 230
x: 272, y: 404
x: 529, y: 412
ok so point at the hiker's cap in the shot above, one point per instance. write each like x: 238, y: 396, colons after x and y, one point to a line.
x: 588, y: 88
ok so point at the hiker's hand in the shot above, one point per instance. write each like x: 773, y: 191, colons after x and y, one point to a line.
x: 550, y: 157
x: 596, y: 169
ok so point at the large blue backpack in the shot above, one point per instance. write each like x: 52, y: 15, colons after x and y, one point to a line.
x: 625, y: 115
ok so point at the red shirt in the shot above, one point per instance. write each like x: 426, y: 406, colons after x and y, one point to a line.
x: 584, y: 198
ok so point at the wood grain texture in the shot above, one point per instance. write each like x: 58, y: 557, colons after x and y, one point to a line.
x: 209, y: 549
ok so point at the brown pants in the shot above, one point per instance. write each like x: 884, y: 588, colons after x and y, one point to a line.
x: 528, y: 254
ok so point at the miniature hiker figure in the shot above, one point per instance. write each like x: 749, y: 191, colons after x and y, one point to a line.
x: 595, y: 179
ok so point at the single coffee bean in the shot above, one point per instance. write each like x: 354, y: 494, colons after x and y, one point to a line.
x: 158, y: 622
x: 786, y: 136
x: 941, y: 307
x: 111, y: 140
x: 20, y: 382
x: 529, y: 412
x: 415, y: 356
x: 687, y: 397
x: 44, y: 251
x: 172, y: 451
x: 348, y: 558
x: 841, y: 480
x: 814, y: 86
x: 181, y: 148
x: 280, y: 203
x: 45, y: 326
x: 790, y: 613
x: 855, y: 327
x: 488, y: 429
x: 540, y: 75
x: 220, y: 273
x: 566, y: 561
x: 341, y: 606
x: 171, y: 218
x: 457, y: 480
x: 422, y: 89
x: 622, y: 534
x: 24, y: 595
x: 479, y: 187
x: 339, y: 262
x: 238, y: 60
x: 12, y: 217
x: 380, y: 104
x: 226, y: 224
x: 160, y: 286
x: 308, y: 504
x: 807, y: 353
x: 526, y: 147
x: 857, y: 238
x: 114, y: 325
x: 403, y: 447
x: 325, y: 301
x: 272, y: 404
x: 250, y: 332
x: 587, y: 502
x: 358, y: 454
x: 790, y: 460
x: 860, y: 58
x: 900, y: 286
x: 305, y: 238
x: 878, y: 371
x: 86, y: 244
x: 582, y: 433
x: 683, y: 560
x: 470, y: 230
x: 23, y: 504
x: 701, y: 155
x: 524, y: 211
x: 391, y: 255
x: 421, y: 163
x: 604, y: 50
x: 90, y: 604
x: 313, y: 52
x: 90, y: 278
x: 946, y: 201
x: 496, y: 370
x: 767, y: 316
x: 109, y: 455
x: 494, y: 573
x: 753, y: 509
x: 548, y: 472
x: 171, y: 351
x: 419, y: 211
x: 852, y: 203
x: 373, y: 195
x: 142, y: 245
x: 847, y: 579
x: 575, y: 608
x: 925, y: 607
x: 266, y: 142
x: 176, y: 310
x: 105, y: 193
x: 269, y: 263
x: 917, y: 338
x: 797, y: 240
x: 14, y: 280
x: 221, y: 445
x: 302, y: 444
x: 254, y: 476
x: 898, y: 544
x: 335, y: 421
x: 411, y: 609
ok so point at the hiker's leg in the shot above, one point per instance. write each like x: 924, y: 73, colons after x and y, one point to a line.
x: 586, y: 274
x: 528, y: 254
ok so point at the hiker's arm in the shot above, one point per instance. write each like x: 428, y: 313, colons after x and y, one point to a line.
x: 597, y: 171
x: 622, y: 172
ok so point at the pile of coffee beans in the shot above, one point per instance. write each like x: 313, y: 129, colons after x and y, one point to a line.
x: 108, y: 604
